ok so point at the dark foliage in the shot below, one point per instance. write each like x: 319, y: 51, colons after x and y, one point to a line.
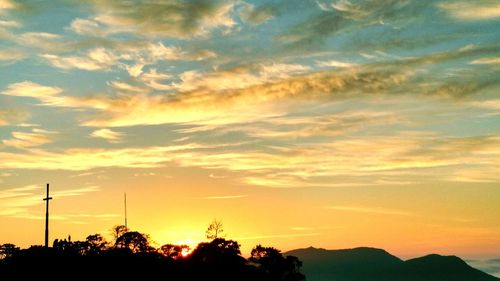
x: 132, y: 257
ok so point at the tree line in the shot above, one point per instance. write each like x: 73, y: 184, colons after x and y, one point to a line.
x: 131, y: 254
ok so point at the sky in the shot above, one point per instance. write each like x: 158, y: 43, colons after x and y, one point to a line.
x: 332, y: 124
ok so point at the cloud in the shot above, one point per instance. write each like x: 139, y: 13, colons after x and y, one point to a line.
x: 334, y: 63
x: 153, y: 79
x: 33, y: 90
x: 125, y: 87
x: 95, y: 59
x: 107, y: 134
x: 18, y: 192
x: 403, y: 159
x: 489, y: 266
x: 376, y: 211
x: 348, y: 161
x: 9, y: 23
x: 313, y: 126
x: 225, y: 197
x: 11, y: 55
x: 255, y: 92
x: 472, y: 10
x: 6, y: 5
x: 36, y: 137
x: 74, y: 191
x: 41, y: 40
x: 257, y: 15
x: 140, y: 54
x: 177, y: 19
x: 87, y: 27
x: 242, y: 96
x: 86, y: 159
x: 346, y: 16
x: 488, y: 104
x: 14, y: 116
x: 495, y: 60
x: 51, y: 96
x: 16, y: 202
x: 286, y: 235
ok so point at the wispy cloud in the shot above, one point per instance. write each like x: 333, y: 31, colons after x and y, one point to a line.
x: 18, y: 192
x: 171, y: 19
x: 224, y: 197
x: 108, y: 134
x: 11, y: 55
x: 472, y: 10
x: 85, y: 159
x: 335, y: 63
x: 41, y: 40
x: 16, y: 202
x: 13, y: 116
x: 267, y: 236
x: 376, y: 211
x: 95, y: 59
x: 488, y: 104
x: 9, y: 23
x: 36, y: 137
x: 493, y: 60
x: 6, y: 5
x: 489, y: 266
x: 256, y: 15
x: 30, y: 89
x: 396, y: 160
x: 138, y: 53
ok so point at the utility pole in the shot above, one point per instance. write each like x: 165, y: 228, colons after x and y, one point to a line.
x: 47, y: 217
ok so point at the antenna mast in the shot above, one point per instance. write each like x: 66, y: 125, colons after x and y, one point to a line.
x: 125, y: 202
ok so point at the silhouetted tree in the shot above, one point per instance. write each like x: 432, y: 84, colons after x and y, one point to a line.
x: 133, y: 240
x: 97, y: 244
x: 214, y: 230
x: 62, y: 245
x: 118, y: 230
x: 173, y: 251
x: 8, y: 250
x: 80, y: 248
x: 275, y: 266
x: 218, y: 250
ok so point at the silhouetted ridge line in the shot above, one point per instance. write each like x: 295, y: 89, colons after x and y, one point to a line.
x: 368, y: 264
x: 131, y: 255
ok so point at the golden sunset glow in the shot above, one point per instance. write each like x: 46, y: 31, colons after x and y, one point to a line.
x: 332, y: 124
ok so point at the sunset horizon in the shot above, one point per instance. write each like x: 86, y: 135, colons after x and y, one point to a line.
x: 334, y: 124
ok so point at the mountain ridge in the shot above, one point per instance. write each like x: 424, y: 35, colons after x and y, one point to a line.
x: 373, y: 264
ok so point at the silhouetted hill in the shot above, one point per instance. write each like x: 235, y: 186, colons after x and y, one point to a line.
x: 370, y: 264
x: 436, y: 267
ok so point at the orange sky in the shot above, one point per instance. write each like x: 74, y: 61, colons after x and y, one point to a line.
x: 296, y: 123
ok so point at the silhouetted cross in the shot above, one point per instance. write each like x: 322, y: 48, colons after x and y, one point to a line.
x: 47, y: 217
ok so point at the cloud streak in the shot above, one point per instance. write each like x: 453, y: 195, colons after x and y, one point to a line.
x: 107, y: 134
x: 366, y: 210
x: 477, y: 10
x: 177, y: 19
x: 16, y: 202
x: 224, y: 197
x: 37, y: 137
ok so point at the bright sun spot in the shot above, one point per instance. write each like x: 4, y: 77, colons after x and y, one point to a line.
x: 186, y: 252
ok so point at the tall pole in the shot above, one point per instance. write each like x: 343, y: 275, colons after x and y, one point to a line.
x: 46, y: 199
x: 125, y: 202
